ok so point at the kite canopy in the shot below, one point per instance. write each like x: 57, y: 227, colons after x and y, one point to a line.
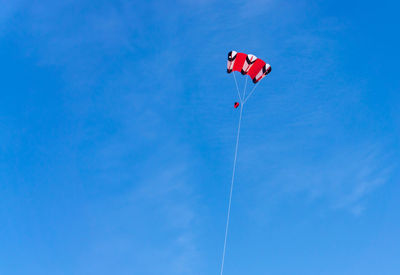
x: 248, y: 64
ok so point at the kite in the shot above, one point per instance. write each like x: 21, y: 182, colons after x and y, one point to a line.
x: 248, y: 64
x: 256, y: 69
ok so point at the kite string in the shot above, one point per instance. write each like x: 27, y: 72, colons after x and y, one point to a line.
x: 230, y: 194
x: 244, y: 90
x: 237, y: 87
x: 249, y: 95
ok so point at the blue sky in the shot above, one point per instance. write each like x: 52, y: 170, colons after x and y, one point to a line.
x: 117, y: 136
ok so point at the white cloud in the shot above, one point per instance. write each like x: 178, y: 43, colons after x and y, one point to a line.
x: 338, y: 179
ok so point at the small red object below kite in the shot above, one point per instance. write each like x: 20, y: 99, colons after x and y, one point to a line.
x: 236, y: 105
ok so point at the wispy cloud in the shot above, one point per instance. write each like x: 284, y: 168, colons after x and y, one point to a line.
x: 339, y: 179
x: 154, y: 219
x: 172, y: 196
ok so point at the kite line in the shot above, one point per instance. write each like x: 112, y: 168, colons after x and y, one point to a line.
x: 257, y: 69
x: 237, y: 88
x: 233, y: 173
x: 252, y: 91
